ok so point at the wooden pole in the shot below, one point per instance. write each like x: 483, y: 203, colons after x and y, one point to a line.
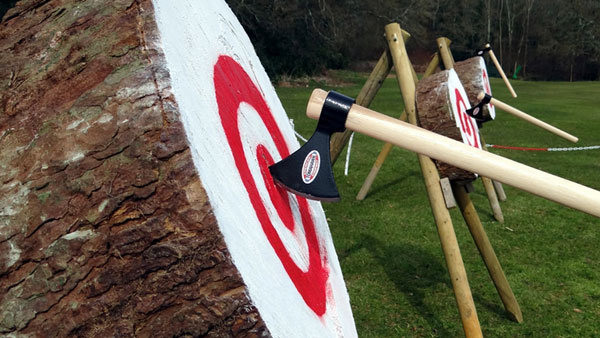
x: 387, y: 147
x: 444, y: 50
x: 499, y: 190
x: 385, y: 151
x: 365, y: 97
x: 499, y: 67
x: 421, y: 141
x: 515, y: 112
x: 456, y: 269
x: 448, y: 60
x: 487, y: 252
x: 490, y: 190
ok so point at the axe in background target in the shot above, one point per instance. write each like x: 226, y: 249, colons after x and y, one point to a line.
x: 488, y: 49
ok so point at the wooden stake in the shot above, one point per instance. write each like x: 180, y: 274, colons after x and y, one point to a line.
x: 456, y: 269
x: 444, y: 50
x: 364, y: 190
x: 499, y: 67
x: 488, y: 186
x: 387, y: 147
x: 514, y: 111
x: 490, y: 191
x: 499, y: 191
x: 421, y: 141
x: 487, y: 253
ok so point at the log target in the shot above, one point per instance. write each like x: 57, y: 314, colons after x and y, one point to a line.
x: 135, y: 196
x: 441, y: 107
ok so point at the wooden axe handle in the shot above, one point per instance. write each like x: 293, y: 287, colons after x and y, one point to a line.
x: 499, y: 67
x: 419, y: 140
x: 514, y: 111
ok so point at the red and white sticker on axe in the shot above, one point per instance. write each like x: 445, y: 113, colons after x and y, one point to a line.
x: 459, y: 104
x: 236, y: 128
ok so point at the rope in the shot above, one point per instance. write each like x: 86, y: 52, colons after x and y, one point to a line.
x: 542, y: 149
x: 348, y: 154
x: 295, y: 132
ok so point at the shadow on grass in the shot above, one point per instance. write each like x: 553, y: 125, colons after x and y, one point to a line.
x: 383, y: 186
x: 414, y: 272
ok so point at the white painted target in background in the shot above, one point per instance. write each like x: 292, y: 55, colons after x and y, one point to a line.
x: 236, y: 128
x: 459, y: 104
x: 486, y: 87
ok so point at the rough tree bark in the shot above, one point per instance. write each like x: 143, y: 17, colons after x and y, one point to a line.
x: 435, y: 113
x: 105, y: 229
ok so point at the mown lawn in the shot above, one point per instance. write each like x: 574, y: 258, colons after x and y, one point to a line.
x: 388, y: 245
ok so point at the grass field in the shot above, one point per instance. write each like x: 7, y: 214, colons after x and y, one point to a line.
x: 388, y: 245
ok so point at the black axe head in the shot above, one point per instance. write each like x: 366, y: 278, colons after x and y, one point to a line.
x: 480, y: 52
x: 308, y: 171
x: 476, y: 111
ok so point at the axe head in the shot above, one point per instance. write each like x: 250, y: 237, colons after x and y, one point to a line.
x: 476, y: 111
x: 308, y: 171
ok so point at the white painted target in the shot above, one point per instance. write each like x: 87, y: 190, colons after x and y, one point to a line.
x: 459, y: 103
x: 236, y: 128
x: 486, y: 87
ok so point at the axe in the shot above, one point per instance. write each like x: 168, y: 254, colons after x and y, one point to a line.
x: 486, y: 98
x: 488, y: 49
x: 308, y: 171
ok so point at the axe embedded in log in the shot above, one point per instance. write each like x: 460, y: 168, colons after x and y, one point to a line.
x: 488, y: 49
x: 290, y: 172
x: 486, y: 98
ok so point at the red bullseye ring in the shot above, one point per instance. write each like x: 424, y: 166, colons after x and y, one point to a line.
x: 466, y: 122
x: 233, y: 87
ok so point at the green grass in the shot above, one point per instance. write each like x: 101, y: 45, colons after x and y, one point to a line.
x: 388, y: 245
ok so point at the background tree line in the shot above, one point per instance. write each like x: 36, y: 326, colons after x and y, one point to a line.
x: 543, y: 39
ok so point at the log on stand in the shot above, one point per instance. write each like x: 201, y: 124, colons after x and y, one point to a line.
x: 122, y: 212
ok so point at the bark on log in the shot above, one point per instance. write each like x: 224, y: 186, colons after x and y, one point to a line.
x: 473, y: 75
x: 435, y: 113
x: 105, y: 228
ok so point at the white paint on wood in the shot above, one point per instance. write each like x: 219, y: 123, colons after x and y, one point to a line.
x: 459, y: 103
x: 193, y: 36
x: 485, y: 79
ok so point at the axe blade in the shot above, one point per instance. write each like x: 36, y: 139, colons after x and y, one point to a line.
x: 308, y: 171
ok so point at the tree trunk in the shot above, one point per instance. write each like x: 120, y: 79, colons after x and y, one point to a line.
x: 110, y: 224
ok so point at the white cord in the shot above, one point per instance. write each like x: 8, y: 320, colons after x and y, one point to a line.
x: 348, y: 154
x: 295, y: 132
